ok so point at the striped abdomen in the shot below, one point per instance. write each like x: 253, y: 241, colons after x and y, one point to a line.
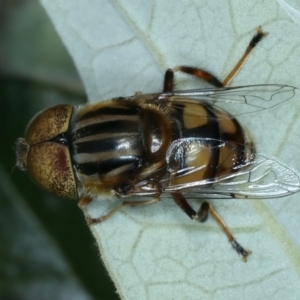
x: 207, y: 143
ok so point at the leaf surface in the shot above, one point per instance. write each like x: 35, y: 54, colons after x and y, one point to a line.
x: 155, y: 252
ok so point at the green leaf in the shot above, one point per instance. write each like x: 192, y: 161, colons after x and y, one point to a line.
x: 155, y: 252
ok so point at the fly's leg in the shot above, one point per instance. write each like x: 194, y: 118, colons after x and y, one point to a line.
x: 254, y: 41
x: 202, y: 215
x: 204, y: 75
x: 208, y: 77
x: 94, y: 221
x: 207, y: 208
x: 84, y: 202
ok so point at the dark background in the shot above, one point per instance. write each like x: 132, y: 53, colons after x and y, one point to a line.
x: 46, y: 249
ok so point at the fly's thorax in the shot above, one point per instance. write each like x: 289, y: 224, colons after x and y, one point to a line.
x: 118, y: 142
x: 208, y: 143
x: 156, y: 132
x: 44, y: 151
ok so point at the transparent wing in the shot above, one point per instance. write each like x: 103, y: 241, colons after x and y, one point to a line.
x: 262, y: 177
x: 252, y: 98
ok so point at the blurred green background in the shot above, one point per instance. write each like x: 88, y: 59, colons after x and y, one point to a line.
x: 46, y: 249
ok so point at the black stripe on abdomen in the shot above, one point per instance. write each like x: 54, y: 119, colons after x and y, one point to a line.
x: 210, y: 133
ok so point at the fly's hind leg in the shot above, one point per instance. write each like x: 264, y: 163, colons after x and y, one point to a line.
x: 93, y: 221
x: 200, y: 73
x: 206, y: 209
x: 202, y: 216
x: 254, y: 41
x: 207, y: 76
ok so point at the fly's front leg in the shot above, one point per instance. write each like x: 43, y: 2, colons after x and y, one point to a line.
x: 208, y: 77
x: 93, y: 221
x: 202, y: 215
x: 84, y: 202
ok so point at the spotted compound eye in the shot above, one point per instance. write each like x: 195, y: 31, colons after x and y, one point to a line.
x: 45, y: 155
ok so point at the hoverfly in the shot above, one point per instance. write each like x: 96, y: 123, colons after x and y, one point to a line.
x: 176, y: 142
